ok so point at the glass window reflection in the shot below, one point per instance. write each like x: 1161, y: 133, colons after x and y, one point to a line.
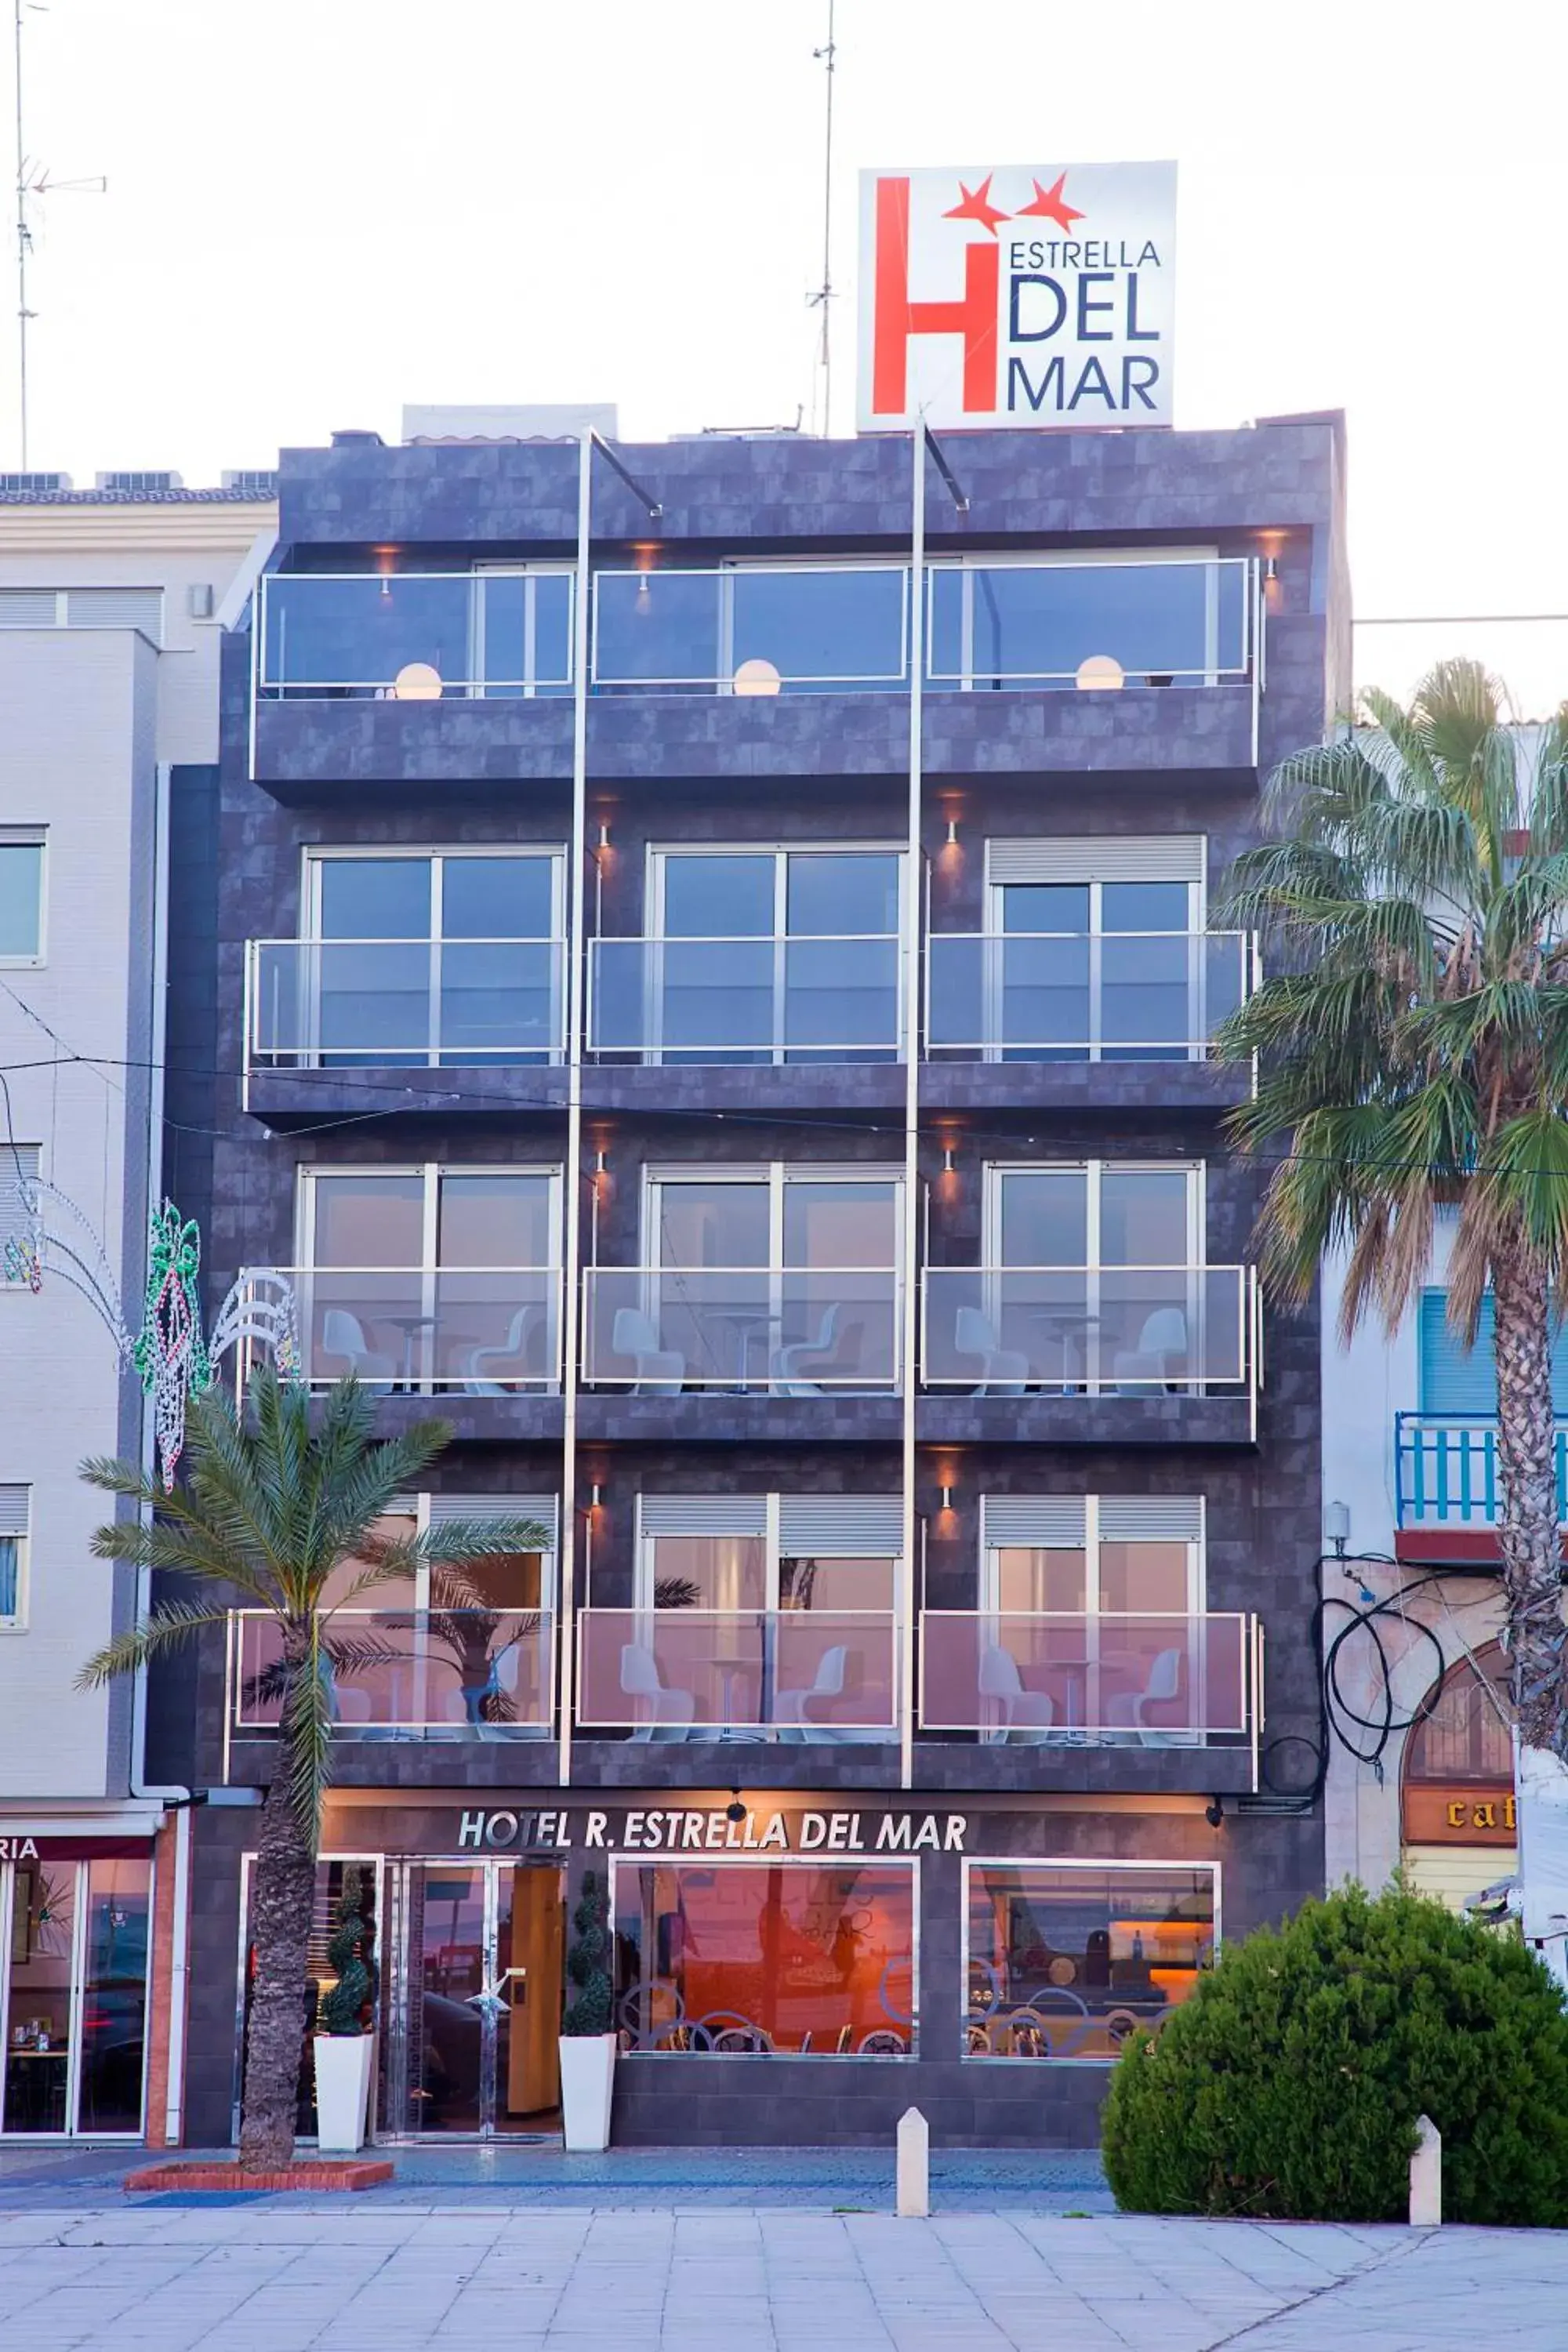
x: 1067, y: 1961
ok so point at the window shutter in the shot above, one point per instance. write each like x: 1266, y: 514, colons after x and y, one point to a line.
x: 28, y: 608
x: 544, y: 1508
x: 1038, y: 1522
x: 702, y: 1515
x: 117, y: 608
x: 841, y: 1525
x: 14, y: 1502
x: 1098, y: 857
x: 1151, y: 1519
x: 14, y: 1218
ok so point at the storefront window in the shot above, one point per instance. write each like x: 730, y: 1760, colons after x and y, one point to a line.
x: 794, y: 1958
x: 114, y: 1996
x: 1064, y: 1961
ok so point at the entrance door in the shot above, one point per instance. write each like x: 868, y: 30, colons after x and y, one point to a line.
x: 478, y: 2014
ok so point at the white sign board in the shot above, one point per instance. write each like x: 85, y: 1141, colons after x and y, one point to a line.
x: 1039, y: 296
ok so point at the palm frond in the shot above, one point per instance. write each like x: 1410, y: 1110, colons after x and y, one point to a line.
x: 171, y: 1621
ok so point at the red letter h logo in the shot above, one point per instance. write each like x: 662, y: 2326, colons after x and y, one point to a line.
x: 896, y: 318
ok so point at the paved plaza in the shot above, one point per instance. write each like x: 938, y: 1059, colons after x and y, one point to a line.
x: 471, y: 2261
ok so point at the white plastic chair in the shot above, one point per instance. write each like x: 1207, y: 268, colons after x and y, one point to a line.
x: 790, y: 1373
x: 668, y: 1711
x: 1004, y: 1370
x: 633, y: 1333
x: 514, y: 1349
x: 790, y: 1708
x: 342, y: 1334
x: 1161, y: 1355
x: 1001, y: 1682
x: 1129, y: 1708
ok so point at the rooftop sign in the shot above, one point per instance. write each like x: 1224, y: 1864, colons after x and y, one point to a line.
x: 1040, y: 296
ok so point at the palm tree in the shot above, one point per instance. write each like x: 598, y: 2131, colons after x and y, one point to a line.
x: 277, y: 1496
x: 1415, y: 1046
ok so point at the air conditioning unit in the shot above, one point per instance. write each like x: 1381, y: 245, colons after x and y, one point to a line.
x: 34, y: 485
x: 256, y: 481
x: 144, y: 485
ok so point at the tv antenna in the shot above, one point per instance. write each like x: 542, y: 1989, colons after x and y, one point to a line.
x: 32, y: 181
x: 823, y: 297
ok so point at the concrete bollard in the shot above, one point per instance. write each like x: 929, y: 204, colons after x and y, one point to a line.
x: 914, y: 2166
x: 1426, y: 2177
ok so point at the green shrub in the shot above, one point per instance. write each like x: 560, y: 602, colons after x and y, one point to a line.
x: 588, y: 1960
x: 1289, y: 2084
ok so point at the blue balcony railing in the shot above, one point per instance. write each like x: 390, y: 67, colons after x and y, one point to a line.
x: 1446, y: 1470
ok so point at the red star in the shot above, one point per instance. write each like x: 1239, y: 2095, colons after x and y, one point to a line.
x: 1051, y: 205
x: 977, y: 206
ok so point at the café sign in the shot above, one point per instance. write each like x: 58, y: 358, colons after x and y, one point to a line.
x: 1460, y: 1814
x: 1040, y: 294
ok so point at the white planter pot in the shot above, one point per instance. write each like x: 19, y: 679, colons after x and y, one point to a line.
x: 345, y: 2062
x: 587, y: 2079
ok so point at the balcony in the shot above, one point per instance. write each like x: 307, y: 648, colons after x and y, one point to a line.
x: 316, y: 1006
x: 781, y: 1331
x: 750, y: 1002
x: 786, y: 1674
x: 1083, y: 1352
x: 1102, y: 1681
x: 399, y: 1674
x: 477, y: 1331
x: 1119, y: 667
x: 1116, y: 996
x: 1446, y: 1472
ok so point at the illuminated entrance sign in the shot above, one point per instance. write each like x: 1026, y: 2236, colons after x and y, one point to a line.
x: 711, y: 1829
x: 1041, y: 295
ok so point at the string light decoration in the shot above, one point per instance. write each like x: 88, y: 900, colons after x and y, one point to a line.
x: 172, y: 1355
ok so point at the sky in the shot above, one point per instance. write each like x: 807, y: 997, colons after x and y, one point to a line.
x: 320, y: 209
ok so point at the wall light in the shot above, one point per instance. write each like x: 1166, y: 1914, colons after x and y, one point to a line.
x: 953, y: 833
x: 947, y: 1159
x: 596, y: 1492
x: 599, y: 1162
x: 1270, y: 571
x: 946, y: 1493
x: 603, y: 836
x: 735, y: 1811
x: 1214, y: 1811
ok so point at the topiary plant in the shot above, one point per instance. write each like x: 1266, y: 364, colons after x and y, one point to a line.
x: 587, y: 1962
x: 340, y: 2010
x: 1289, y: 2084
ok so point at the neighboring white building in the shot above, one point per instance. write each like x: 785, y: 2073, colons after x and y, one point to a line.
x: 1410, y: 1456
x: 108, y: 651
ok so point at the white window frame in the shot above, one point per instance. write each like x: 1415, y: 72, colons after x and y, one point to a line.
x: 648, y: 1540
x: 435, y: 857
x: 430, y: 1266
x: 1094, y: 939
x: 781, y: 852
x: 990, y: 1572
x: 17, y: 1621
x: 31, y: 836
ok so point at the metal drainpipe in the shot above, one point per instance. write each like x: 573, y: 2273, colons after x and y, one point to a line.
x: 170, y: 1793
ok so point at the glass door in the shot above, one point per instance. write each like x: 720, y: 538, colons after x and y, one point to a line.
x: 776, y: 955
x: 522, y: 631
x: 1097, y: 971
x: 479, y: 2017
x: 73, y: 1996
x: 1095, y: 1277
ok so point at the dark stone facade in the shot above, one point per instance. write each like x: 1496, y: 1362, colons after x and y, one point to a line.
x: 810, y: 769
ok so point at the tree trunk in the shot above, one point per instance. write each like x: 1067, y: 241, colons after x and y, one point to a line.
x: 1532, y: 1574
x: 1527, y: 1529
x: 282, y: 1894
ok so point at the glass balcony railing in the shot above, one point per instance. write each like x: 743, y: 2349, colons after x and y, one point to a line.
x: 803, y: 628
x: 746, y: 1002
x: 1098, y: 1330
x: 1114, y: 996
x: 1119, y: 623
x: 416, y: 636
x: 783, y: 1331
x: 413, y: 1674
x: 479, y: 1330
x: 761, y: 630
x: 318, y: 1004
x: 1101, y: 1680
x: 786, y: 1674
x: 1446, y: 1470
